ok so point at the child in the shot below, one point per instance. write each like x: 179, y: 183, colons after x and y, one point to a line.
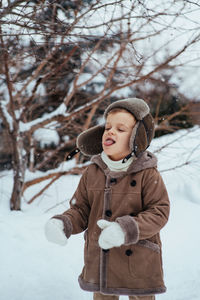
x: 121, y: 203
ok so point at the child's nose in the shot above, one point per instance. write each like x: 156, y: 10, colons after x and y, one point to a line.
x: 112, y: 131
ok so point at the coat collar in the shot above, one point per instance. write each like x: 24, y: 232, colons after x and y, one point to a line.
x: 145, y: 161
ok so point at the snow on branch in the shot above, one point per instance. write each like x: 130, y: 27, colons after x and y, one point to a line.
x: 46, y: 119
x: 7, y: 116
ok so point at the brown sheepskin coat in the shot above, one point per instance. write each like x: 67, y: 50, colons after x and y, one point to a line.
x: 138, y: 201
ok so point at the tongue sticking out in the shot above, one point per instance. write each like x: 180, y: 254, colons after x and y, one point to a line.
x: 108, y: 142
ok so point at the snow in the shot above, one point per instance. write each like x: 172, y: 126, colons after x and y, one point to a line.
x: 40, y: 89
x: 32, y: 268
x: 6, y: 114
x: 149, y: 48
x: 65, y: 138
x: 60, y: 110
x: 46, y: 137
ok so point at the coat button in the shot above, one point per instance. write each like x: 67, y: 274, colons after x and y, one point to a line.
x: 133, y: 183
x: 105, y: 250
x: 108, y: 213
x: 133, y: 215
x: 129, y: 252
x: 113, y: 180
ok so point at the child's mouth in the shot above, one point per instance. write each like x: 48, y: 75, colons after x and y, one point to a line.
x: 109, y: 142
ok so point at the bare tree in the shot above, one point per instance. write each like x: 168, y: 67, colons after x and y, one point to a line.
x: 62, y: 60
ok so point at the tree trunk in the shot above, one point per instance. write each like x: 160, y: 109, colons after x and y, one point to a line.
x: 18, y: 169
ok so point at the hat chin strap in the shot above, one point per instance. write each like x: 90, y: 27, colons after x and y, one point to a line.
x: 128, y: 156
x: 72, y: 154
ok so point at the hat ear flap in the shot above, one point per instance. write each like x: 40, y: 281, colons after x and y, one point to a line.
x: 148, y: 123
x: 90, y: 141
x: 144, y: 134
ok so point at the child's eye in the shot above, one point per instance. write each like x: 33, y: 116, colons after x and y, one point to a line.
x: 107, y: 128
x: 121, y: 130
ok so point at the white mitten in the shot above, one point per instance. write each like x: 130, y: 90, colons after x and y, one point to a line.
x: 54, y: 231
x: 112, y: 234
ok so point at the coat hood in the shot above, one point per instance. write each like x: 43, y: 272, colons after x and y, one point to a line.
x: 145, y: 161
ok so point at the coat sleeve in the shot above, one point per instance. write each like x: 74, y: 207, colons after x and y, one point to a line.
x: 75, y: 219
x: 155, y: 211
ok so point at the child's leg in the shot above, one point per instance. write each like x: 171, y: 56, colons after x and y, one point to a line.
x: 98, y: 296
x: 152, y: 297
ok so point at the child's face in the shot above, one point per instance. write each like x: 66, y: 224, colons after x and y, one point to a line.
x: 116, y: 137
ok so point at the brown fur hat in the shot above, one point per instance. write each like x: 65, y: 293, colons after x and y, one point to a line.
x: 90, y: 141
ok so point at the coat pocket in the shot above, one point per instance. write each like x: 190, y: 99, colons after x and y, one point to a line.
x: 145, y: 260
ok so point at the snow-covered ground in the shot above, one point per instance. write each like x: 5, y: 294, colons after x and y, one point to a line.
x: 32, y: 268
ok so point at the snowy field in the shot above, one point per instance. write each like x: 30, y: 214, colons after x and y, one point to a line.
x: 33, y: 269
